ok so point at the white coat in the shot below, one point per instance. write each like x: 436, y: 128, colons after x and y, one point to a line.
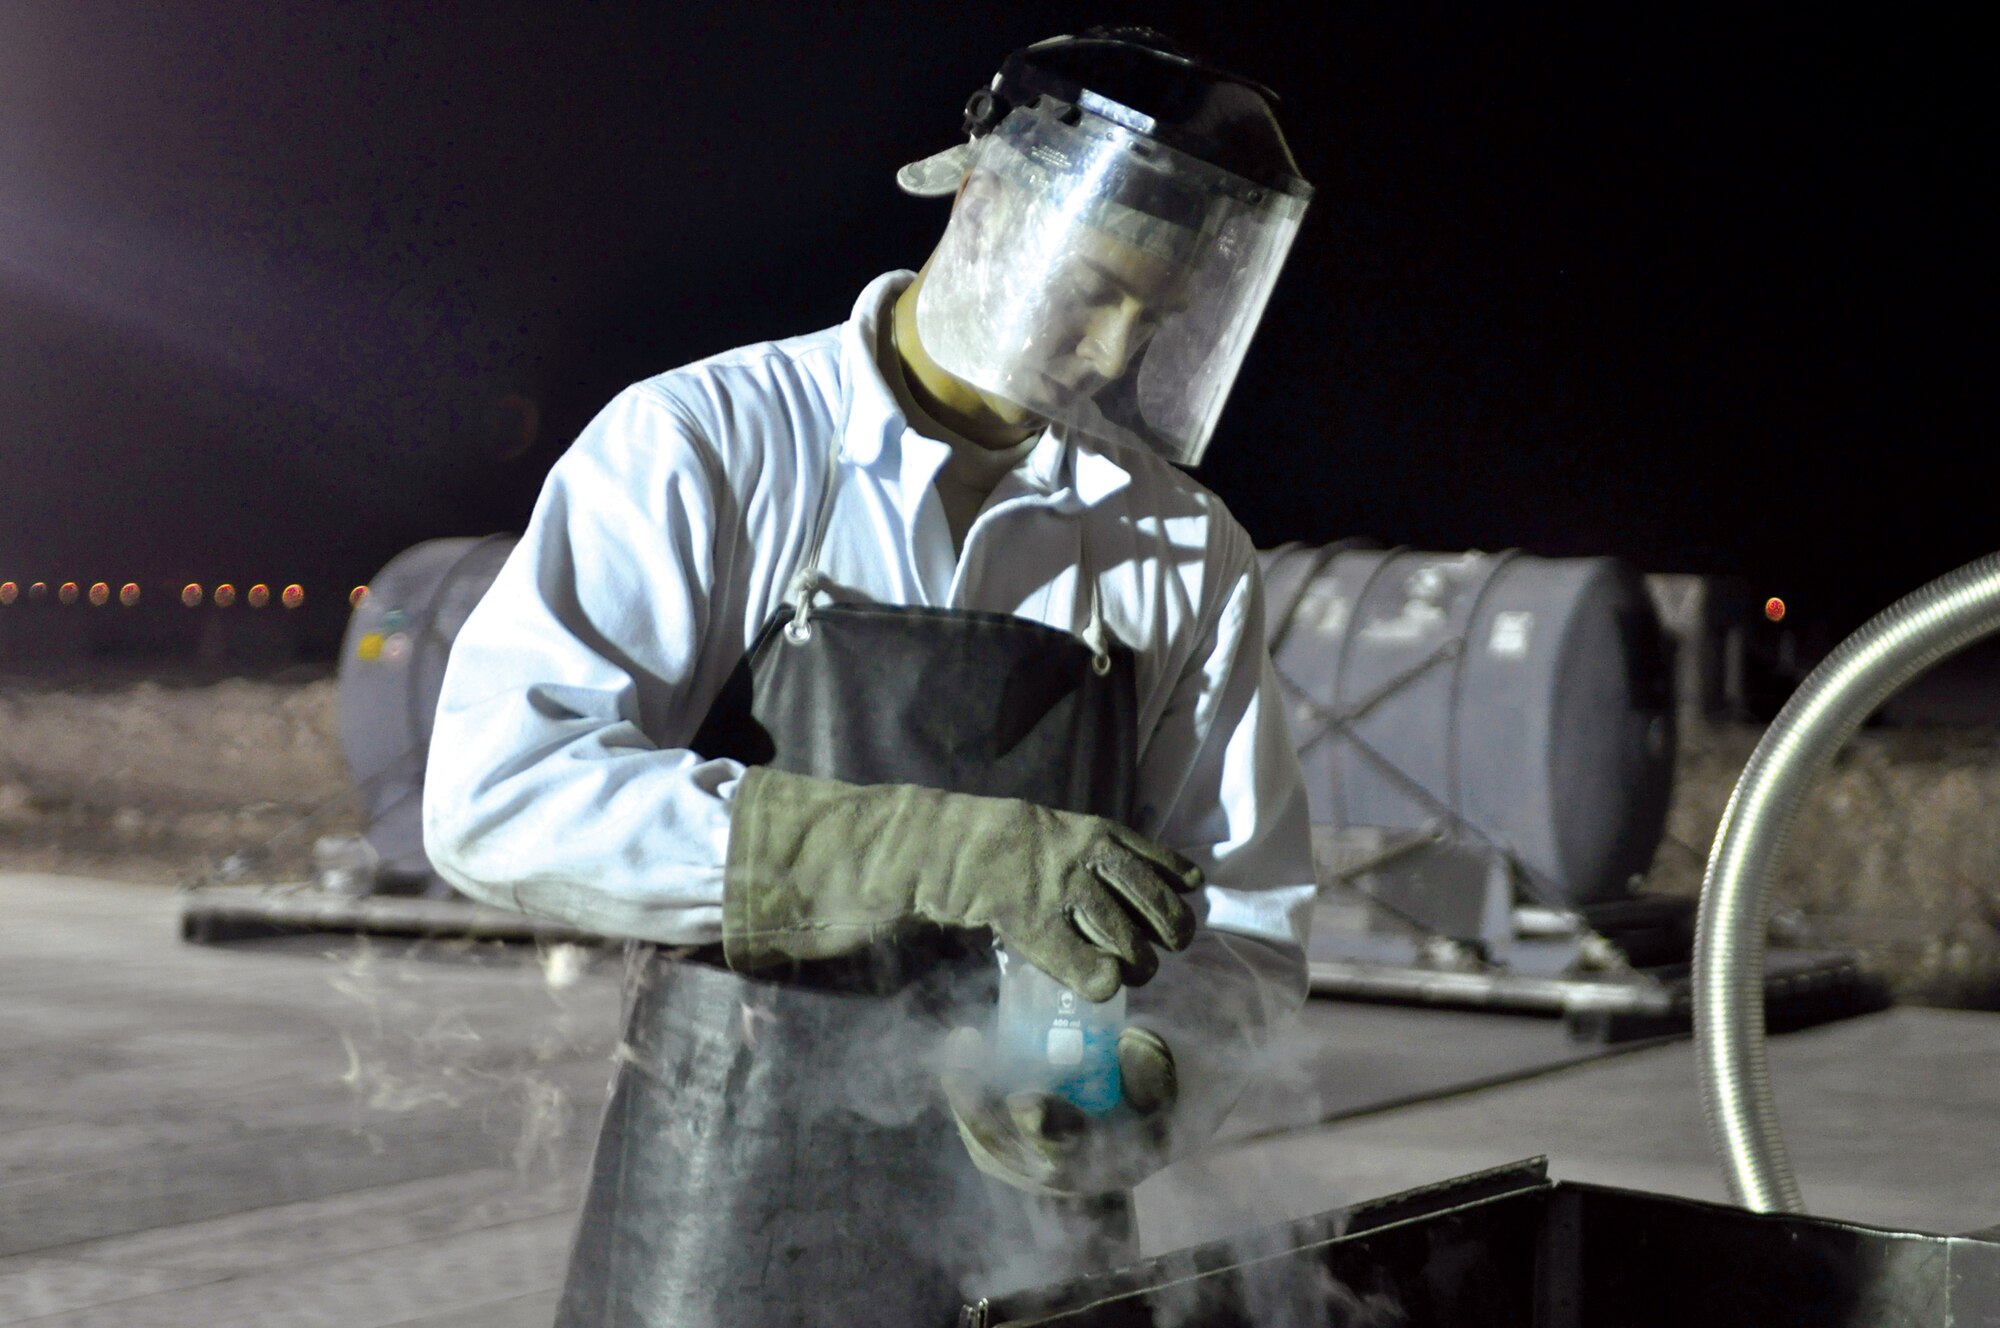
x: 558, y: 779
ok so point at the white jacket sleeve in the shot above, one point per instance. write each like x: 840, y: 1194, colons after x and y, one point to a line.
x: 1220, y: 783
x: 557, y: 782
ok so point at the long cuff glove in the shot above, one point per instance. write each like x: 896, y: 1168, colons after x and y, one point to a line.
x: 1044, y: 1145
x: 819, y: 868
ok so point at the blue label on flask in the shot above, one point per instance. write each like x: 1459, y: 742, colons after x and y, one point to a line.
x: 1053, y: 1041
x: 1093, y: 1084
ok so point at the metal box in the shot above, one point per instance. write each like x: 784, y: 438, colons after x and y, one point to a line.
x: 1510, y: 1248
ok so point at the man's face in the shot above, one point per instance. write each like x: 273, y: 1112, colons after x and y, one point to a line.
x: 1106, y: 299
x: 1054, y: 307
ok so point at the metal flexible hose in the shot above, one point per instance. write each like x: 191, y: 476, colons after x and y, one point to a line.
x: 1866, y: 669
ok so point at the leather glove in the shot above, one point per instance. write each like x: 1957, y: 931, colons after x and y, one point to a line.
x: 819, y: 868
x: 1045, y: 1145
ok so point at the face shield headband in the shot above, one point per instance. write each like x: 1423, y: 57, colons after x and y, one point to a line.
x: 1102, y: 280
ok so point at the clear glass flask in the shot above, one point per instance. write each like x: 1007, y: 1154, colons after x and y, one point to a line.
x: 1051, y: 1040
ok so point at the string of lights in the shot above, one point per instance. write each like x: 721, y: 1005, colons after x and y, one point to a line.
x: 99, y: 594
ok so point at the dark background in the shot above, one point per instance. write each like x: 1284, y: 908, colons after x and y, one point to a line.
x: 286, y: 289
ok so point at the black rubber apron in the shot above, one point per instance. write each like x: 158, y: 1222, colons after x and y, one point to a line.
x: 778, y: 1152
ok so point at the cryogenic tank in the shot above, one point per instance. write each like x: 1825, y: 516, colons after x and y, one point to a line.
x: 1526, y: 702
x: 391, y: 670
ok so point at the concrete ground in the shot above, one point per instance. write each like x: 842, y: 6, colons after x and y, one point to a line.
x: 313, y: 1131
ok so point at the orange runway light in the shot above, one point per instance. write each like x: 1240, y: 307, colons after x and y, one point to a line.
x: 259, y: 596
x: 100, y: 594
x: 190, y: 594
x: 9, y: 592
x: 128, y: 594
x: 294, y: 596
x: 39, y: 590
x: 1774, y: 609
x: 355, y: 596
x: 225, y: 595
x: 67, y: 594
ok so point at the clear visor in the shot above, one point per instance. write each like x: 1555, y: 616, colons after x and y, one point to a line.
x: 1100, y: 279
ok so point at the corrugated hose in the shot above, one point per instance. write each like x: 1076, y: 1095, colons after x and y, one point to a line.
x: 1865, y: 670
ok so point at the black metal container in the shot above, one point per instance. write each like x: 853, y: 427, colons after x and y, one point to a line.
x: 1510, y: 1248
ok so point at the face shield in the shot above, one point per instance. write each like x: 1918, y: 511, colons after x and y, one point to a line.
x: 1098, y: 277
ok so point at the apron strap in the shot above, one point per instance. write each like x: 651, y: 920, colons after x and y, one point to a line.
x: 806, y: 581
x: 1095, y: 634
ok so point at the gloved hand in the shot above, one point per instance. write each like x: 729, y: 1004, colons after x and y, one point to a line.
x: 1045, y: 1145
x: 819, y: 868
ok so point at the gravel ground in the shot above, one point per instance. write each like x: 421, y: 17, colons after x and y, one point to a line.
x: 158, y: 782
x: 1896, y: 853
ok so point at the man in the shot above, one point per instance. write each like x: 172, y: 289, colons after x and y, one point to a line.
x: 826, y: 664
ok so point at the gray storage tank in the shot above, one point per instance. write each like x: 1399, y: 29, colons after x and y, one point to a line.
x: 391, y: 671
x: 1525, y: 703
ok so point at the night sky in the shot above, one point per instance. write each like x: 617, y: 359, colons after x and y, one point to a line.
x: 287, y: 288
